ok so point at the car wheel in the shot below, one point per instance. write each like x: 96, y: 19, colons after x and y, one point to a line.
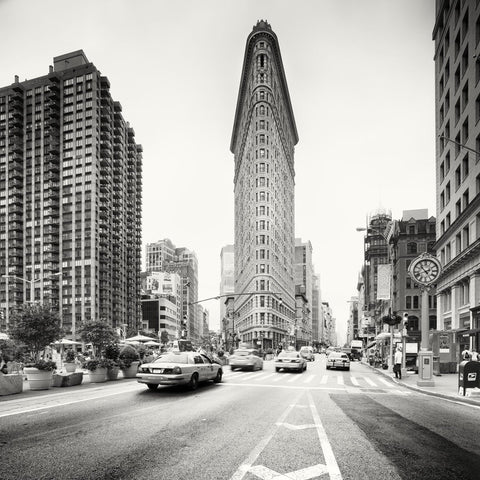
x: 218, y: 377
x: 152, y: 386
x: 277, y: 369
x: 193, y: 383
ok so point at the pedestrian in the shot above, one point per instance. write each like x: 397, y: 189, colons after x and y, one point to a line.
x: 466, y: 354
x: 397, y: 367
x: 474, y: 355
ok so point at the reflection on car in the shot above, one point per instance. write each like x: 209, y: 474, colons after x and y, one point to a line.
x: 179, y: 368
x: 246, y: 358
x: 307, y: 353
x: 290, y: 360
x: 338, y: 360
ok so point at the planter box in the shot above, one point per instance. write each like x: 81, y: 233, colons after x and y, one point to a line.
x: 11, y: 383
x: 67, y: 379
x: 112, y: 373
x: 131, y: 372
x: 38, y: 379
x: 99, y: 375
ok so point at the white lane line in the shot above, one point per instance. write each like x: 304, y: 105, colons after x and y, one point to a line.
x: 309, y: 379
x: 280, y: 376
x: 354, y: 381
x: 257, y: 450
x: 324, y: 380
x: 386, y: 382
x: 370, y: 382
x: 330, y: 460
x: 340, y: 381
x: 295, y: 377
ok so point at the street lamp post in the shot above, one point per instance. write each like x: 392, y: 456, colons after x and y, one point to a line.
x: 32, y: 290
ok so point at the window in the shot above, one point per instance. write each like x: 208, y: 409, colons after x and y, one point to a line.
x: 465, y: 167
x: 411, y: 248
x: 415, y: 301
x: 458, y: 177
x: 408, y: 302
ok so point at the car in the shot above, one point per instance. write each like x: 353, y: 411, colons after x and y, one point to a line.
x: 290, y: 360
x: 307, y: 353
x: 179, y: 368
x: 338, y: 360
x: 246, y: 359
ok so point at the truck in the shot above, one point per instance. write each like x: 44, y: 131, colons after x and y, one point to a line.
x: 356, y: 348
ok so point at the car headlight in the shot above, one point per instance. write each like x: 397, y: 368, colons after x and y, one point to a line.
x: 177, y: 370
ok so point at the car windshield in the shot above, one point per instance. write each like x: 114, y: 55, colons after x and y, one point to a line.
x: 172, y: 357
x: 289, y: 354
x: 242, y: 353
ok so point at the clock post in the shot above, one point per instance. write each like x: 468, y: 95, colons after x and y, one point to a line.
x: 425, y: 270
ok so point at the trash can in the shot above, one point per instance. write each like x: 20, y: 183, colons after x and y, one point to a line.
x: 468, y: 375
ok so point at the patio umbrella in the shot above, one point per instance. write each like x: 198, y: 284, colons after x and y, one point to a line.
x: 139, y: 338
x: 66, y: 341
x: 152, y: 343
x: 4, y: 336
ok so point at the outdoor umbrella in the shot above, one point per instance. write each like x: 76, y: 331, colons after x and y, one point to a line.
x: 4, y: 336
x: 139, y: 338
x: 152, y: 343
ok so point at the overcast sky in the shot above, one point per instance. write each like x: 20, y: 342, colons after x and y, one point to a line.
x: 361, y: 80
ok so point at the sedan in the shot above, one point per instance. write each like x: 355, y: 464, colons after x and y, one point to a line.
x: 338, y: 360
x: 247, y: 359
x: 179, y: 368
x: 290, y: 360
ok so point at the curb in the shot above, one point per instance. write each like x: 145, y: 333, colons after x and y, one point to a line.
x: 445, y: 396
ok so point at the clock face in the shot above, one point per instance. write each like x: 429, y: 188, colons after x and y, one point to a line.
x: 426, y: 271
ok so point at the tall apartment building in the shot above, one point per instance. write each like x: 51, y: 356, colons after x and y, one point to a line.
x: 263, y: 141
x: 227, y: 276
x: 457, y: 112
x: 163, y: 256
x: 317, y: 321
x: 70, y: 197
x: 303, y: 292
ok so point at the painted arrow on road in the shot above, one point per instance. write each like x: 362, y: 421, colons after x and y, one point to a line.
x: 266, y: 473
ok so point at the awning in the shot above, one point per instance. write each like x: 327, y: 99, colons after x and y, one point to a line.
x: 385, y: 335
x: 471, y: 332
x: 370, y: 345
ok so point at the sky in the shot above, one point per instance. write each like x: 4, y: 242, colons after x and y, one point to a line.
x: 361, y: 79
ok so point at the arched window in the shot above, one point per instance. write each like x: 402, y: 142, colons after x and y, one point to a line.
x: 412, y: 323
x: 411, y: 247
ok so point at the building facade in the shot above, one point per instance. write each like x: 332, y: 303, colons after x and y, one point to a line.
x: 164, y: 256
x: 70, y: 198
x: 227, y: 276
x: 457, y: 100
x: 263, y: 141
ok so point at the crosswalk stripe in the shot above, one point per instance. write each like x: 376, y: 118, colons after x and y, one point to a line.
x: 386, y: 382
x: 340, y: 381
x: 294, y: 378
x: 354, y: 381
x: 370, y: 382
x: 278, y: 378
x: 324, y: 380
x: 309, y: 379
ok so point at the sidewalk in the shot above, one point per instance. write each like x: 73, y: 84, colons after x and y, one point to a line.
x: 446, y: 385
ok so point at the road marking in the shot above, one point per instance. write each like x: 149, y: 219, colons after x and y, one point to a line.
x: 340, y: 381
x: 354, y: 381
x: 386, y: 382
x: 309, y: 379
x: 278, y: 378
x: 296, y: 427
x: 370, y: 382
x: 294, y: 378
x: 304, y: 474
x: 332, y: 466
x: 324, y: 380
x: 257, y: 450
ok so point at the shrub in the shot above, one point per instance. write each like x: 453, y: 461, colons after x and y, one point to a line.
x: 47, y: 365
x: 127, y: 355
x: 112, y: 351
x: 70, y: 356
x: 99, y: 334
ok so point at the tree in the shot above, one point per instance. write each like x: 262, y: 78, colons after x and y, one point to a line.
x: 36, y: 326
x: 99, y: 334
x: 164, y: 337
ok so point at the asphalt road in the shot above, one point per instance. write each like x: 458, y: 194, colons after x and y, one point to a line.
x: 254, y: 425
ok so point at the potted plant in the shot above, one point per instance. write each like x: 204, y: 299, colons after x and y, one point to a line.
x: 97, y: 369
x: 70, y: 365
x: 36, y: 326
x: 129, y: 361
x: 112, y: 352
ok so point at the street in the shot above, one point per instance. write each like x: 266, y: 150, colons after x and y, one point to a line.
x: 254, y: 425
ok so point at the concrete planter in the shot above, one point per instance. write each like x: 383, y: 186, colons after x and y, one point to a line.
x: 67, y: 379
x: 38, y: 379
x: 112, y: 373
x: 11, y: 383
x: 70, y: 367
x: 131, y: 371
x: 99, y: 375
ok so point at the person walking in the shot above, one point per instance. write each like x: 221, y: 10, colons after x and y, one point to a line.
x: 397, y: 361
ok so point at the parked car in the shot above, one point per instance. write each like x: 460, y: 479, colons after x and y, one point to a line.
x: 179, y: 368
x: 338, y: 360
x: 246, y: 359
x: 290, y: 360
x: 307, y: 353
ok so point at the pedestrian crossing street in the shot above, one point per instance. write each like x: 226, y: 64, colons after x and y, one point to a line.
x: 311, y: 380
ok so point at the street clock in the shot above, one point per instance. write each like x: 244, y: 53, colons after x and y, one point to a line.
x: 425, y: 269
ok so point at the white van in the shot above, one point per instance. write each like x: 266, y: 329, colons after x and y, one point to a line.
x: 307, y: 353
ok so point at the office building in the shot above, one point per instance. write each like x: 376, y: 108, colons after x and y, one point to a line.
x: 70, y: 197
x: 457, y: 101
x: 227, y: 276
x: 263, y: 142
